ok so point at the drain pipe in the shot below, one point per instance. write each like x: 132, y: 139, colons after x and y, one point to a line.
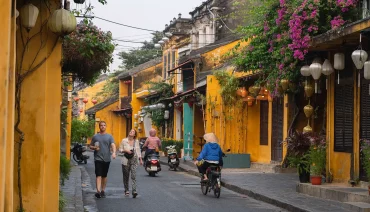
x: 213, y: 22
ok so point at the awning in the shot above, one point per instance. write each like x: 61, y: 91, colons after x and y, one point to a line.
x: 334, y: 39
x: 179, y: 66
x: 178, y: 95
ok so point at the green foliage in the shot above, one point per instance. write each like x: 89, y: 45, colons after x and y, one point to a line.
x: 142, y: 54
x: 317, y: 155
x: 301, y: 163
x: 169, y: 141
x: 64, y: 169
x: 365, y: 156
x: 81, y: 130
x: 157, y: 117
x: 279, y: 33
x: 87, y: 52
x: 229, y: 85
x: 110, y: 88
x: 62, y: 201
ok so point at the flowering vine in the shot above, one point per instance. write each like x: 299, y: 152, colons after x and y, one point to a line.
x: 280, y: 40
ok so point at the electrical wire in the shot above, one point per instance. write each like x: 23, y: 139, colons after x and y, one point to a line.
x: 113, y: 22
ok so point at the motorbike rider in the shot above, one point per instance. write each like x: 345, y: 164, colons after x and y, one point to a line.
x: 210, y: 155
x: 153, y: 144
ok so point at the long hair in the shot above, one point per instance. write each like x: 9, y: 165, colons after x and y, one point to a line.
x: 135, y: 133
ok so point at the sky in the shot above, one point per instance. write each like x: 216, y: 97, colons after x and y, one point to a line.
x: 148, y: 14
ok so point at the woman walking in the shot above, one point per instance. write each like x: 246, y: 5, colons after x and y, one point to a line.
x: 131, y: 148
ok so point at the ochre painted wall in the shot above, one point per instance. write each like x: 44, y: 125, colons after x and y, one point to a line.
x: 116, y: 125
x: 40, y: 120
x: 136, y: 103
x: 198, y: 130
x: 7, y: 51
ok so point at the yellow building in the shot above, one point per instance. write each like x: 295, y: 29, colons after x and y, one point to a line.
x: 115, y: 111
x: 35, y: 67
x: 347, y: 116
x: 89, y: 95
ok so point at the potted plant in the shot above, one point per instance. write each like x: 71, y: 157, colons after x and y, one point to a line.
x: 317, y: 155
x: 365, y: 157
x: 298, y: 145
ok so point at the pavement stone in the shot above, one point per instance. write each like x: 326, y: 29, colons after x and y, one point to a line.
x: 275, y: 188
x: 72, y: 191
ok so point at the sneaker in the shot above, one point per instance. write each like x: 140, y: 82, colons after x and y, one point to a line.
x: 97, y: 195
x: 102, y: 194
x: 134, y: 194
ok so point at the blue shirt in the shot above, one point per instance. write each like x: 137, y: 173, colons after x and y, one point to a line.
x: 211, y: 152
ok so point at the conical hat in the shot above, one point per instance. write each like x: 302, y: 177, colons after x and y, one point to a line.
x: 210, y: 137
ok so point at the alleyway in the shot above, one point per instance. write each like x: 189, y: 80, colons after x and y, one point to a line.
x: 168, y: 191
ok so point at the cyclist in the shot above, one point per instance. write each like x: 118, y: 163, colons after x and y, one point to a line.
x: 210, y: 155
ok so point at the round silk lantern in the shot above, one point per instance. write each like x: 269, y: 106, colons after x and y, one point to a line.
x: 316, y: 70
x: 339, y: 63
x: 62, y: 22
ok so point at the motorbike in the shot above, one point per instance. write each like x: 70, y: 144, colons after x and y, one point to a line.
x: 214, y: 183
x: 152, y: 165
x: 77, y: 153
x: 173, y: 160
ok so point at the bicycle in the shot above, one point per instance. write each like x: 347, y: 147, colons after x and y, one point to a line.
x: 214, y: 183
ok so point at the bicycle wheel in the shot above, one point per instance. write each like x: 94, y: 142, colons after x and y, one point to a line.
x: 75, y: 159
x: 217, y: 188
x: 204, y: 187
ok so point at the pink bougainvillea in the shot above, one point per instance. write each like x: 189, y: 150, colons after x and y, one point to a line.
x: 337, y: 22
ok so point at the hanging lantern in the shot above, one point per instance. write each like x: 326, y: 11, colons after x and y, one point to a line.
x: 307, y: 128
x: 242, y: 92
x: 62, y: 22
x: 308, y: 110
x: 339, y: 63
x: 166, y: 114
x: 85, y: 100
x: 79, y: 1
x: 308, y: 89
x: 81, y: 110
x: 94, y: 101
x: 305, y: 71
x: 284, y: 84
x: 359, y: 57
x: 316, y: 69
x: 367, y: 72
x: 29, y: 14
x: 327, y: 69
x: 255, y: 90
x: 76, y: 99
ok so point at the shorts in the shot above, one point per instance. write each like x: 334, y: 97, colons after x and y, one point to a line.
x: 101, y: 168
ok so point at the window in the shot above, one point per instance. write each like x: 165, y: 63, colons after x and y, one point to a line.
x: 164, y: 67
x: 264, y: 120
x: 173, y: 58
x: 343, y: 113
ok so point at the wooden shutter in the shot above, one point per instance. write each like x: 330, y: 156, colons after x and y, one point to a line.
x: 277, y: 128
x: 343, y: 113
x: 264, y: 120
x: 364, y: 119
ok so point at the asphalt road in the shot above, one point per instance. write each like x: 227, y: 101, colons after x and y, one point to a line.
x: 168, y: 191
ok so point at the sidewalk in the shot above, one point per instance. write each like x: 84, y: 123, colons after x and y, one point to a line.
x: 72, y: 191
x: 274, y: 188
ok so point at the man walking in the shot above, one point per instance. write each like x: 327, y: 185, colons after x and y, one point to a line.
x: 103, y: 144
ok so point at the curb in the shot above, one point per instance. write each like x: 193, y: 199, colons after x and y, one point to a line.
x: 89, y: 201
x: 249, y: 193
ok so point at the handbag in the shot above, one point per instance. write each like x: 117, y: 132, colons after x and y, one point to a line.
x: 129, y: 156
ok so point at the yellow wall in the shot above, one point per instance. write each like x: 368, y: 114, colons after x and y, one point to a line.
x: 90, y: 93
x: 7, y: 53
x: 153, y: 74
x: 40, y: 121
x: 116, y: 125
x: 136, y: 104
x: 198, y: 130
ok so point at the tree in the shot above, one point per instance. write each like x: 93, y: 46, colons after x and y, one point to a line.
x: 142, y: 54
x: 81, y: 130
x: 111, y: 87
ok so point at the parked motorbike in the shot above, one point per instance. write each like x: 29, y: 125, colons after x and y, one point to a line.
x: 173, y: 160
x: 77, y: 153
x: 152, y: 165
x: 214, y: 183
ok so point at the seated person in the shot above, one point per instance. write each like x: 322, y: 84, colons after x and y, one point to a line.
x: 211, y: 154
x: 152, y: 143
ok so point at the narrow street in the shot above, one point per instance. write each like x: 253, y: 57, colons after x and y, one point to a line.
x: 168, y: 191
